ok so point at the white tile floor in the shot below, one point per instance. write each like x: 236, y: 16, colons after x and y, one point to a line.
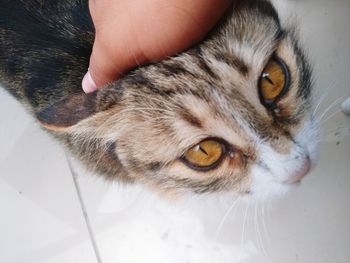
x: 42, y: 213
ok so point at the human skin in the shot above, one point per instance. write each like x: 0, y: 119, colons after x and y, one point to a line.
x: 134, y: 32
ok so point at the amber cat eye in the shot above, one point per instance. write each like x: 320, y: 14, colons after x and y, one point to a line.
x: 204, y: 156
x: 274, y: 81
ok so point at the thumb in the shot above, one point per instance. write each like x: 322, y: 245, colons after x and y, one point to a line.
x: 103, y: 68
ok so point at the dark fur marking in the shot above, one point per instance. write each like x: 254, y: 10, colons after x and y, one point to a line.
x: 212, y: 186
x: 305, y: 70
x: 285, y: 120
x: 197, y: 54
x: 173, y: 69
x: 190, y: 118
x: 140, y: 79
x: 111, y: 151
x: 154, y: 166
x: 233, y: 61
x: 162, y: 91
x: 135, y: 164
x: 109, y: 96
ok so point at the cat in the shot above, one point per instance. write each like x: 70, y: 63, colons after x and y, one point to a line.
x: 231, y: 114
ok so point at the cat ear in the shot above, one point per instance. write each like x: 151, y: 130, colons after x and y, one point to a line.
x: 68, y: 112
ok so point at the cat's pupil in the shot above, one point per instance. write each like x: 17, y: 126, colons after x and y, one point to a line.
x: 273, y: 81
x: 204, y: 155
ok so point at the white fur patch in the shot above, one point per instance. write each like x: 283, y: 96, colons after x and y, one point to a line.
x: 273, y: 168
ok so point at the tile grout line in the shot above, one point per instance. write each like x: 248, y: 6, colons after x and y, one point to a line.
x: 83, y: 208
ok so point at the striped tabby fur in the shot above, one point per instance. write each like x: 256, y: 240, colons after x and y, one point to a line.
x: 137, y: 128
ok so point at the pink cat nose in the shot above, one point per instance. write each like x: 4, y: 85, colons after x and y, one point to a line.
x: 300, y: 174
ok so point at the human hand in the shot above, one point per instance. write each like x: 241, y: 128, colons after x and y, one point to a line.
x: 133, y: 32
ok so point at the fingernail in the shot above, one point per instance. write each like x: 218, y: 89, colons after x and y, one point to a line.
x: 88, y: 83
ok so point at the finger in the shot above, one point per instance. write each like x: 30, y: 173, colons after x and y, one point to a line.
x: 111, y: 55
x: 102, y: 68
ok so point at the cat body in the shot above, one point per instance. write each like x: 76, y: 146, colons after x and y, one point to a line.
x: 148, y: 125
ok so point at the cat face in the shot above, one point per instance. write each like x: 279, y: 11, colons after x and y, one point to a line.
x: 232, y: 114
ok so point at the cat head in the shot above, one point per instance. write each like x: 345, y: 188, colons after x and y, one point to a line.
x: 231, y: 114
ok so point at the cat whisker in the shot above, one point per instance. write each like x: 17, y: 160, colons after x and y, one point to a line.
x: 256, y: 227
x: 265, y: 232
x: 322, y: 98
x: 334, y: 103
x: 263, y: 215
x: 223, y: 220
x: 320, y: 101
x: 244, y: 224
x: 258, y: 230
x: 329, y: 117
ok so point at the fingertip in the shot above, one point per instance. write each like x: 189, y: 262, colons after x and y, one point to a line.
x: 88, y: 83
